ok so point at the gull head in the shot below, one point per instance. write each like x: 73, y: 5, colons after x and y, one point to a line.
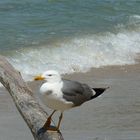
x: 49, y: 76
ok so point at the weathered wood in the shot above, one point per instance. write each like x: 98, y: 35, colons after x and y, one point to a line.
x: 30, y: 110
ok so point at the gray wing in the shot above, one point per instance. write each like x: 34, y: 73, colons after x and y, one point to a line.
x: 76, y: 92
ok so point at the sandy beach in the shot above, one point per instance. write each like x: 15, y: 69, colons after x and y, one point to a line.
x: 95, y: 42
x: 113, y: 116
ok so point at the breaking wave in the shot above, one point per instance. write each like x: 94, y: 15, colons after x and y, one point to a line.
x: 81, y: 53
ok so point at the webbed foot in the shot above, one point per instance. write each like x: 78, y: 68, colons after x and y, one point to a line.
x: 43, y: 130
x: 53, y: 128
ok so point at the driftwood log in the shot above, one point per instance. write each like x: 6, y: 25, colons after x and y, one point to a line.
x: 29, y: 109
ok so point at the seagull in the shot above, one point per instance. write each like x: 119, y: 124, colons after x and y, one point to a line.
x: 61, y: 94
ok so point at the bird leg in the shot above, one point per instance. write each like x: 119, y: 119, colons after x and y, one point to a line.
x: 56, y: 128
x: 46, y: 125
x: 60, y: 119
x: 48, y: 122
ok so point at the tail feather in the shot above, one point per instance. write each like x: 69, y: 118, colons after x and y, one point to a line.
x: 98, y: 92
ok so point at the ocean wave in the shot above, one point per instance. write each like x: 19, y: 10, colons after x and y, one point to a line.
x: 79, y: 54
x: 134, y: 20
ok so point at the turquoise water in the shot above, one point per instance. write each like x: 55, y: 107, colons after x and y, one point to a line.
x: 69, y: 35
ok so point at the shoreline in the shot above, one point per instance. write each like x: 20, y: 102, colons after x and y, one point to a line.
x: 115, y: 112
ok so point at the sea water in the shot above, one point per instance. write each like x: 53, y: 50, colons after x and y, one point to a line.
x: 69, y: 35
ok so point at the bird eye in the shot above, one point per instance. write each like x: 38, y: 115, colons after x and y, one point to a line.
x: 49, y: 75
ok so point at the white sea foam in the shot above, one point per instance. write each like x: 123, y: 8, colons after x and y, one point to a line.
x: 81, y: 53
x: 134, y: 20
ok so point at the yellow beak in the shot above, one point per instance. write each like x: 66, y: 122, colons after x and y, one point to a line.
x: 39, y: 77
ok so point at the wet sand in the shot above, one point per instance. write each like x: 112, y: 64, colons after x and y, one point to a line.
x: 113, y: 116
